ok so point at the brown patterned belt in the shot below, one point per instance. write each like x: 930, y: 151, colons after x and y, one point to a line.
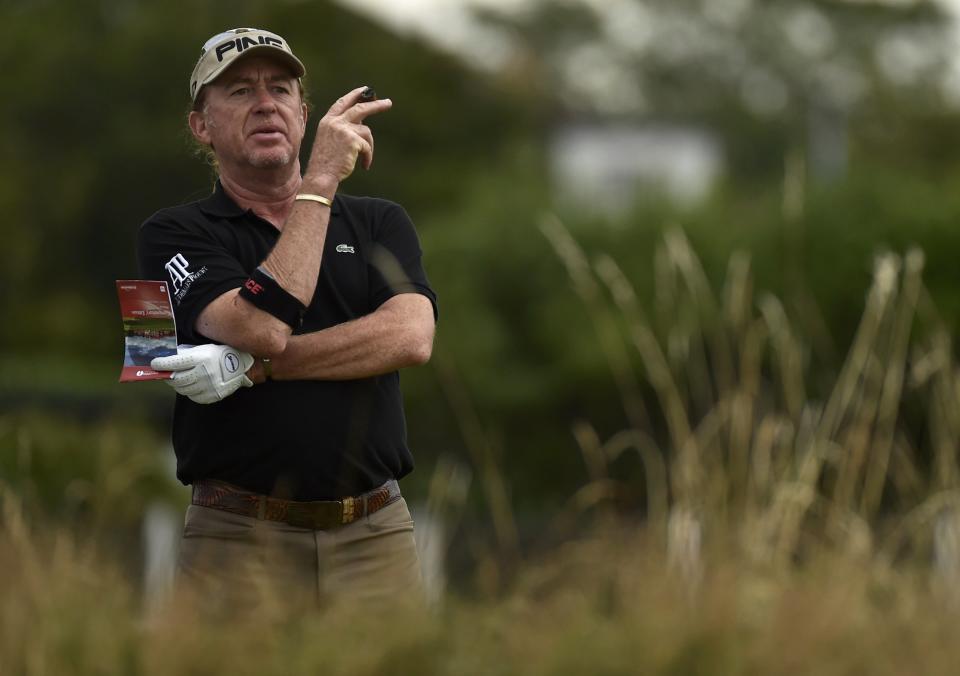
x: 316, y: 515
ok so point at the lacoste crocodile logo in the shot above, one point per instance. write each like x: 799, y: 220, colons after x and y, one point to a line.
x: 345, y: 248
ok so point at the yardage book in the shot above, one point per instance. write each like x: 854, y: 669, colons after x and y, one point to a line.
x: 149, y: 329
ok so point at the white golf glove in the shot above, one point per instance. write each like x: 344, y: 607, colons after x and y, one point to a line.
x: 206, y: 373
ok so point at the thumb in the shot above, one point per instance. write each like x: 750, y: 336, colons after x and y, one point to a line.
x: 175, y: 362
x: 344, y: 103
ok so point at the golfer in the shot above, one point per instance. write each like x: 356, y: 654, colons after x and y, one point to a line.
x: 295, y: 307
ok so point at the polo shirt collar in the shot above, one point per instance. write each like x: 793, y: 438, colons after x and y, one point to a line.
x: 221, y: 205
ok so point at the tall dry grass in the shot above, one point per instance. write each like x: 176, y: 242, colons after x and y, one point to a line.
x: 792, y: 525
x: 749, y: 452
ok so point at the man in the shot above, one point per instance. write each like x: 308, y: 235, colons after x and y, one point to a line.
x: 302, y: 304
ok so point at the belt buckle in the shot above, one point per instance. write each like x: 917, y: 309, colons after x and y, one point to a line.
x: 349, y: 509
x: 315, y: 516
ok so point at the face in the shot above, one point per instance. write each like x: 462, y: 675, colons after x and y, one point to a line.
x: 253, y: 116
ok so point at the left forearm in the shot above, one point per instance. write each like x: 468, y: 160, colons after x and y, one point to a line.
x: 398, y: 334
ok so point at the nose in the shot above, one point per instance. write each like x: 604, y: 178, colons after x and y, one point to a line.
x: 264, y: 101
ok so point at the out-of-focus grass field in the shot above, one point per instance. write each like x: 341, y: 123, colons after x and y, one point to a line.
x: 608, y: 604
x: 792, y: 527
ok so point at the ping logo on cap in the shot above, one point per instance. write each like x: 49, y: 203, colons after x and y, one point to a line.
x: 243, y: 43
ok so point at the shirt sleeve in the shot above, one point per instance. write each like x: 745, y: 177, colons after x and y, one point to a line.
x: 197, y: 266
x: 396, y: 265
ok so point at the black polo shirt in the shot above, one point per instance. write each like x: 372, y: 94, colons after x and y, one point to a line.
x: 306, y: 439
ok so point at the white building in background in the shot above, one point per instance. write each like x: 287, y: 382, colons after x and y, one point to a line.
x: 606, y: 167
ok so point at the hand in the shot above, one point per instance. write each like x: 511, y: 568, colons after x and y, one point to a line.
x: 206, y: 373
x: 342, y: 137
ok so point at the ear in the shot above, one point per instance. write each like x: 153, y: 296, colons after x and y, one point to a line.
x: 199, y: 127
x: 304, y: 113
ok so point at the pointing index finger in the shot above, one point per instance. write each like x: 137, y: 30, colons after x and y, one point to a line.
x: 344, y: 103
x: 355, y: 107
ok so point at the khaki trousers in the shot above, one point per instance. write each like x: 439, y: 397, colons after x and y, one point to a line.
x: 230, y: 561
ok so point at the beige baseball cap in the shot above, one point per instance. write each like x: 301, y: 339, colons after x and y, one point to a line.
x: 224, y: 48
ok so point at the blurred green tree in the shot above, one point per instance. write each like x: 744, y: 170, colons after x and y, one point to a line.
x: 97, y: 140
x: 761, y: 74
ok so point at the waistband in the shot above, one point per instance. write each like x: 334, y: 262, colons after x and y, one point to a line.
x: 316, y: 515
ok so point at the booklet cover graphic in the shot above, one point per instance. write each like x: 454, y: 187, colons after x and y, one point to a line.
x: 148, y: 327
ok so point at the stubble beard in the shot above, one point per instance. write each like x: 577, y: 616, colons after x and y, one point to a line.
x: 272, y: 159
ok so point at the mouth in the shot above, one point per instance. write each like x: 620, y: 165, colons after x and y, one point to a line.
x: 267, y: 134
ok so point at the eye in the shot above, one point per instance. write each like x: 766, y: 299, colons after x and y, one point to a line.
x: 240, y: 91
x: 281, y: 89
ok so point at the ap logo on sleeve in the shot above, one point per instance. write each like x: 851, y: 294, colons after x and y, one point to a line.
x: 181, y: 278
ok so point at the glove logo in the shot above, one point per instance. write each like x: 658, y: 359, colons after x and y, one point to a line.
x: 231, y: 362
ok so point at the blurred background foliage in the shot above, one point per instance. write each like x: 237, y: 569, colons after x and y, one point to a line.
x: 837, y: 127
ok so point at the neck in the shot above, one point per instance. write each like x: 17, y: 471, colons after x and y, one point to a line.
x: 269, y: 193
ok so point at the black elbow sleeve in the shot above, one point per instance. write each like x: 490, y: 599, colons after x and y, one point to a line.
x: 263, y: 291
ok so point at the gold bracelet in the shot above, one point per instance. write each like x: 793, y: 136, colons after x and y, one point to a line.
x: 314, y: 198
x: 267, y: 368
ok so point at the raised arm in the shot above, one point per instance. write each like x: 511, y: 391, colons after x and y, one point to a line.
x: 294, y: 261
